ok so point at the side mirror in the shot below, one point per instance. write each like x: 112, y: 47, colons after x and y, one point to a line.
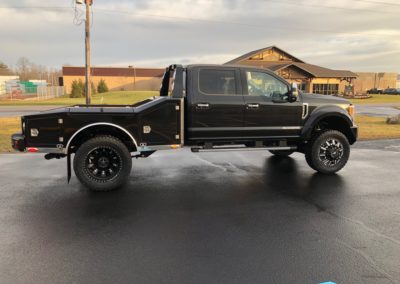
x: 294, y: 93
x: 277, y: 97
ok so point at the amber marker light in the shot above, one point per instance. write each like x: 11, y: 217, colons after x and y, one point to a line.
x: 352, y: 111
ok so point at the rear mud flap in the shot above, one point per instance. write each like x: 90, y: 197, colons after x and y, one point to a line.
x: 68, y: 167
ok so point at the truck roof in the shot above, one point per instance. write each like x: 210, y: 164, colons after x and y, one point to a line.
x: 191, y: 66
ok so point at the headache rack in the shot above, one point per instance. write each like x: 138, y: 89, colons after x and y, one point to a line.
x: 174, y: 82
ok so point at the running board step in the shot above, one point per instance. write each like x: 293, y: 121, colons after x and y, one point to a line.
x: 240, y: 148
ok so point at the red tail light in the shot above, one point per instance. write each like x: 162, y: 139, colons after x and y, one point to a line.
x: 32, y: 150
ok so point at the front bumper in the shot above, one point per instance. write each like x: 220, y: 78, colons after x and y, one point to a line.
x: 354, y: 132
x: 18, y: 142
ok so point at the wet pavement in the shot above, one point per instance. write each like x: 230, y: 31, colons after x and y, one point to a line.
x: 237, y: 217
x: 378, y: 110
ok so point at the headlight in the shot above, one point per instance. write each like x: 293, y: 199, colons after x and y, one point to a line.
x: 352, y: 111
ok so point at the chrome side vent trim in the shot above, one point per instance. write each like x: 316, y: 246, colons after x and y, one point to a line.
x: 304, y: 113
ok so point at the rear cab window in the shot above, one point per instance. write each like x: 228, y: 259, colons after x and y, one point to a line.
x: 218, y: 82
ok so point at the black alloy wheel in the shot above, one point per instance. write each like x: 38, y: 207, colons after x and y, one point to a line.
x: 328, y: 152
x: 331, y: 152
x: 103, y: 163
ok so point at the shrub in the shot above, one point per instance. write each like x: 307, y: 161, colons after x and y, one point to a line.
x: 77, y: 89
x: 102, y: 87
x: 93, y: 87
x: 393, y: 120
x: 82, y: 87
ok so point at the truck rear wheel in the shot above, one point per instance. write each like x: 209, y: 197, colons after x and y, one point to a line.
x: 103, y: 163
x: 281, y: 153
x: 328, y: 152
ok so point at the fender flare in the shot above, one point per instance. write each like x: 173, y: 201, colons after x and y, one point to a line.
x: 99, y: 124
x: 323, y: 112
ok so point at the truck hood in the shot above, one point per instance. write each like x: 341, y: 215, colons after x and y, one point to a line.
x: 323, y: 99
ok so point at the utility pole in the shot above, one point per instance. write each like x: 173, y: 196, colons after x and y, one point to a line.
x: 88, y: 88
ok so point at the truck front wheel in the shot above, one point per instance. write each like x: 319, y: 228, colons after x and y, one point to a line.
x: 328, y: 152
x: 103, y: 163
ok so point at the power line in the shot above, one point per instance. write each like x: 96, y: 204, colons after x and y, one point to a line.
x: 237, y: 23
x: 225, y: 22
x: 36, y: 7
x: 332, y: 7
x: 378, y: 2
x: 273, y: 1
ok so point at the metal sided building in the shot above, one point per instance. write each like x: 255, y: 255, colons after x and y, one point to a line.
x: 116, y: 78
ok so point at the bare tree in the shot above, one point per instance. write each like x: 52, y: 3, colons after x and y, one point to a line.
x: 5, y: 70
x: 23, y: 68
x: 28, y: 70
x: 38, y: 72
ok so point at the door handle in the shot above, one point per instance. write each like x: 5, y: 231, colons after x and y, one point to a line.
x: 203, y: 106
x: 252, y: 106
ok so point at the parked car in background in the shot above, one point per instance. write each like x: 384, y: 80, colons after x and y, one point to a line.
x: 392, y: 91
x: 375, y: 91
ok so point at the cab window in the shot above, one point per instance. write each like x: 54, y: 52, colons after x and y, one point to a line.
x: 217, y: 82
x: 263, y: 84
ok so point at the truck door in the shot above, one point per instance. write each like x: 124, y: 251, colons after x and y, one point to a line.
x: 267, y: 113
x: 215, y: 104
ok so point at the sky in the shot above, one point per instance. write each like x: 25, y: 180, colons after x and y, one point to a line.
x: 356, y: 35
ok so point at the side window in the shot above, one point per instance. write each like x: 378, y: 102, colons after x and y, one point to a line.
x: 217, y: 82
x: 263, y: 84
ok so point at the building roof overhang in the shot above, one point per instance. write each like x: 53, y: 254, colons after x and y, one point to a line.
x: 313, y: 70
x: 255, y: 52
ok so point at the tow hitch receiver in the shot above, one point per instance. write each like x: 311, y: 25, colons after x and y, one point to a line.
x: 50, y: 156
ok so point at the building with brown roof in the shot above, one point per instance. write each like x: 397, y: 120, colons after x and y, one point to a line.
x: 310, y: 78
x: 116, y: 78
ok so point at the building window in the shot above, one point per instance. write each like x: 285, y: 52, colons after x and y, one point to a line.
x: 326, y: 89
x: 302, y: 86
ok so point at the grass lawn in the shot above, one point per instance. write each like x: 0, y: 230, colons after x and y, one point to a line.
x: 110, y: 98
x: 378, y: 99
x: 8, y: 126
x: 369, y: 128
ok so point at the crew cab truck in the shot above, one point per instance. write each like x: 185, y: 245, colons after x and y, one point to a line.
x: 205, y: 107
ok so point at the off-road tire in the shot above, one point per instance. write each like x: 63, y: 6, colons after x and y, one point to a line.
x: 103, y: 163
x: 281, y: 153
x: 319, y: 160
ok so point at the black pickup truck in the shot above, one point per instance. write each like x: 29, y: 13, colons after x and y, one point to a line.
x: 205, y: 107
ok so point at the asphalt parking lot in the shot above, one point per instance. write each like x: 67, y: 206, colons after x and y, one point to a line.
x: 237, y: 217
x: 378, y: 110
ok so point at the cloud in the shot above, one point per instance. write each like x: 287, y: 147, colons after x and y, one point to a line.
x: 159, y: 32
